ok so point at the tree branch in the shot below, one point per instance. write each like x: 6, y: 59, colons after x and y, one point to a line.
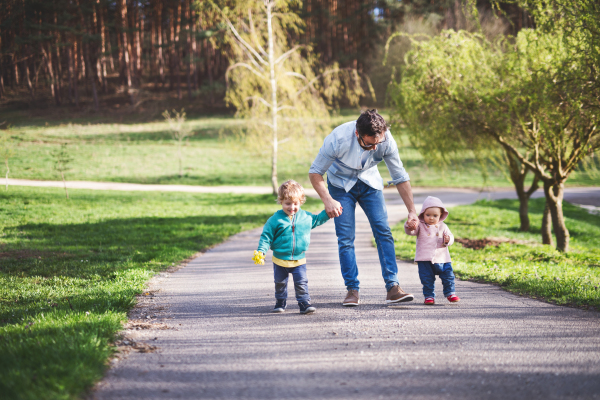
x: 253, y: 34
x: 245, y: 65
x: 238, y: 37
x: 287, y: 54
x: 259, y: 99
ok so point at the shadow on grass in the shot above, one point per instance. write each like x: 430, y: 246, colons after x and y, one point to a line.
x: 110, y: 245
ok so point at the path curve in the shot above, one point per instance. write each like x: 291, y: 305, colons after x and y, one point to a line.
x: 588, y: 196
x: 222, y: 342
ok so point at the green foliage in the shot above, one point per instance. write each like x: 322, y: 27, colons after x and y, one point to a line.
x: 460, y: 91
x: 521, y: 263
x: 69, y: 272
x: 62, y: 159
x: 278, y: 86
x: 7, y: 150
x: 179, y: 132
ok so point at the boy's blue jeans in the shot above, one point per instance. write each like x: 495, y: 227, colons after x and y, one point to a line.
x: 300, y: 282
x: 372, y: 202
x: 427, y: 273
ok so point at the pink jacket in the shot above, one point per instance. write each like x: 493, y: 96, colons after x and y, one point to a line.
x: 430, y: 238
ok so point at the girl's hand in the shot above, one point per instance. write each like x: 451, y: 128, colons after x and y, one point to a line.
x: 446, y: 238
x: 259, y: 258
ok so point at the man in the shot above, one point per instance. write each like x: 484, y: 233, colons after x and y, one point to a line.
x: 350, y: 155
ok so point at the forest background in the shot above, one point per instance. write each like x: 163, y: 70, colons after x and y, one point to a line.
x: 133, y: 56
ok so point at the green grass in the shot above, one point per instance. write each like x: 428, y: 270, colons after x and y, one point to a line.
x: 527, y: 266
x: 140, y: 151
x: 70, y: 270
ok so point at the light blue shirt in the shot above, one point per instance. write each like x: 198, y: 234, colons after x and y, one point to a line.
x: 340, y: 156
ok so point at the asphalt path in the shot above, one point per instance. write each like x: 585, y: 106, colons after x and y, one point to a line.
x: 218, y: 339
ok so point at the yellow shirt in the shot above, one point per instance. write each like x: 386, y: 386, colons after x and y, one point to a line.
x: 288, y: 263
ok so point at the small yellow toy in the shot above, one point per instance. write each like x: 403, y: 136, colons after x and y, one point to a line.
x: 259, y: 258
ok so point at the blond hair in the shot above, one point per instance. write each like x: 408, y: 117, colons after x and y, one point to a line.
x: 291, y: 190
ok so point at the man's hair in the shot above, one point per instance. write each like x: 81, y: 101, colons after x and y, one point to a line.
x: 370, y: 123
x: 291, y: 190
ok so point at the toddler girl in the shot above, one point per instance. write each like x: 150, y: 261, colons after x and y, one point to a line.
x: 432, y: 255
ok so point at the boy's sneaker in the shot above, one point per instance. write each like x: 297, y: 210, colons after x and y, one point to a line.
x: 279, y: 306
x: 397, y: 295
x: 306, y: 308
x: 453, y: 298
x: 429, y: 301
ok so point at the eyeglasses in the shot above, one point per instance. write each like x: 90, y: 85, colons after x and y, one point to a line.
x: 361, y: 141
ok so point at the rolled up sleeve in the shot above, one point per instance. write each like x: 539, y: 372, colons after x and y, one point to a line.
x: 326, y: 157
x: 393, y: 162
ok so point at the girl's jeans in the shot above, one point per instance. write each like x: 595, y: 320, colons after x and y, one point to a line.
x: 300, y: 282
x: 427, y: 273
x: 372, y: 202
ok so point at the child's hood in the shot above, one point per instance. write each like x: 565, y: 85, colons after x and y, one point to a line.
x: 429, y: 202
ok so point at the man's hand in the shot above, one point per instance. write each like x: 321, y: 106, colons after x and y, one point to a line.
x: 333, y: 208
x: 405, y: 192
x: 413, y: 221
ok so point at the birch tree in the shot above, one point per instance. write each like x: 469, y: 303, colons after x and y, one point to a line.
x: 277, y: 85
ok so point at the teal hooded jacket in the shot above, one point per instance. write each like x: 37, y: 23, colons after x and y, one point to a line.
x: 289, y: 237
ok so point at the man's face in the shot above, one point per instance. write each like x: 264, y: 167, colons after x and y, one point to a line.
x: 369, y: 142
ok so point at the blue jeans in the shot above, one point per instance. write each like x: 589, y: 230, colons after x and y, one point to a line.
x: 427, y: 273
x: 300, y: 282
x: 372, y: 202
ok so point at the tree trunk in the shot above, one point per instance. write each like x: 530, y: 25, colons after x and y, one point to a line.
x: 547, y: 225
x: 160, y: 61
x: 273, y: 99
x: 109, y: 55
x: 50, y: 71
x: 15, y: 80
x: 518, y: 174
x: 124, y: 44
x: 102, y: 31
x: 138, y: 41
x: 194, y: 51
x: 190, y: 55
x: 7, y: 171
x: 209, y: 61
x: 28, y: 80
x: 59, y: 73
x: 177, y: 50
x: 1, y: 82
x: 65, y: 184
x: 554, y: 192
x: 88, y: 63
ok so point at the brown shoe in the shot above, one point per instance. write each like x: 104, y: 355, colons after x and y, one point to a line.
x: 397, y: 295
x: 351, y: 299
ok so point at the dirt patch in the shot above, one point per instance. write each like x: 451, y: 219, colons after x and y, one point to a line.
x: 479, y: 244
x: 127, y: 345
x: 21, y: 254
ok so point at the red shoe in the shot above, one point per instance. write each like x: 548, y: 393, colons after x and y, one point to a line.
x: 453, y: 298
x: 429, y: 301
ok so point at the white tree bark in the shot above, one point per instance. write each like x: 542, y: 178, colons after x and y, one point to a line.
x: 271, y: 59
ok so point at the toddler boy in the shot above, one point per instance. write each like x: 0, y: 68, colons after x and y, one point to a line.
x: 287, y: 233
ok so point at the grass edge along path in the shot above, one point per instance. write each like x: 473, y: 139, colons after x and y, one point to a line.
x: 520, y: 263
x: 70, y: 271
